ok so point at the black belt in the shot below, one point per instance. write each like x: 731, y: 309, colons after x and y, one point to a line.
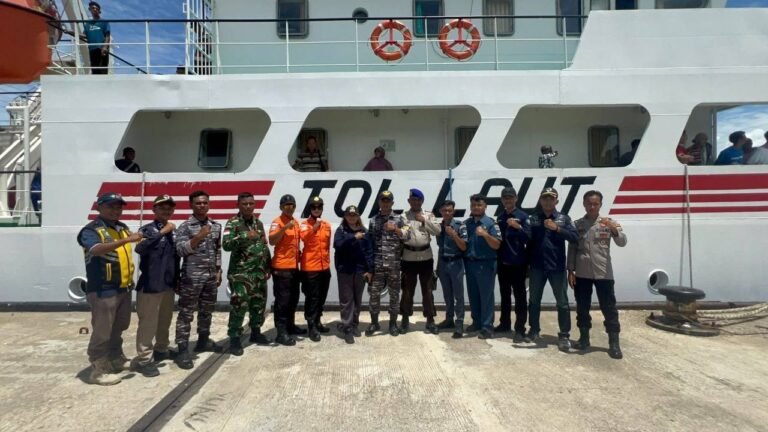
x: 416, y: 248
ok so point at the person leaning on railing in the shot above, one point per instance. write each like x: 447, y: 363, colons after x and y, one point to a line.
x: 97, y: 34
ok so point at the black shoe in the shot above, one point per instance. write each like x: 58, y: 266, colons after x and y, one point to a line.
x: 446, y: 324
x: 159, y: 356
x: 183, y: 358
x: 614, y: 350
x: 393, y: 330
x: 458, y: 330
x: 235, y: 346
x: 349, y: 337
x: 563, y: 343
x: 503, y: 328
x: 405, y: 325
x: 473, y: 328
x: 204, y: 343
x: 258, y: 338
x: 374, y: 327
x: 519, y: 337
x: 296, y: 330
x: 284, y: 339
x: 485, y: 334
x: 356, y: 331
x: 314, y: 335
x: 321, y: 328
x: 583, y: 342
x: 535, y: 337
x: 431, y: 327
x: 148, y: 370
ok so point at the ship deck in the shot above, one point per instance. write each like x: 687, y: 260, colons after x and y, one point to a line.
x: 413, y: 382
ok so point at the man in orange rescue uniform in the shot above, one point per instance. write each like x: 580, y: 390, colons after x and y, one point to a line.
x: 315, y: 266
x: 284, y: 236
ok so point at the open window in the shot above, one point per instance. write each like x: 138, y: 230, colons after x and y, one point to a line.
x: 215, y: 146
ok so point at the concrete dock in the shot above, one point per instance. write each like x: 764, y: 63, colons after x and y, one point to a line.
x: 414, y: 382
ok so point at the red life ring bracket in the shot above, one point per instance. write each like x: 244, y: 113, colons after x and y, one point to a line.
x: 402, y: 49
x: 471, y: 45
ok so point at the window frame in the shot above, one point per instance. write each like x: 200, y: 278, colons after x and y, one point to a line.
x: 589, y: 146
x: 632, y: 8
x: 559, y: 21
x: 303, y: 25
x: 426, y: 33
x: 202, y: 148
x: 659, y: 4
x: 457, y: 155
x: 488, y: 29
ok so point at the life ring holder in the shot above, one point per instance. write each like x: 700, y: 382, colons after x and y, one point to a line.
x: 403, y: 48
x: 471, y: 45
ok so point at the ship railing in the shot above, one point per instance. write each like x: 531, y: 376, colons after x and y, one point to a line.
x: 18, y: 213
x: 176, y: 46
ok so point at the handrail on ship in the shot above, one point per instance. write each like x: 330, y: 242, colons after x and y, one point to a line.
x: 199, y: 52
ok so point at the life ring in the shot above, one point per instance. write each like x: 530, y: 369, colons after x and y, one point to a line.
x: 471, y: 45
x: 378, y: 47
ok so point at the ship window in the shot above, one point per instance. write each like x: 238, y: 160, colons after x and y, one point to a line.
x: 320, y: 136
x: 603, y: 146
x: 427, y: 8
x: 292, y: 9
x: 600, y: 5
x: 573, y: 24
x: 626, y: 4
x: 464, y: 137
x: 360, y: 15
x: 504, y: 26
x: 215, y: 145
x: 681, y: 4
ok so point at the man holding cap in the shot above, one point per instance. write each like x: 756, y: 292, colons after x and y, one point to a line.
x: 513, y: 264
x: 198, y: 240
x: 106, y: 244
x: 387, y: 231
x: 284, y: 236
x: 315, y: 233
x: 160, y: 266
x: 549, y: 231
x: 248, y: 272
x: 418, y: 261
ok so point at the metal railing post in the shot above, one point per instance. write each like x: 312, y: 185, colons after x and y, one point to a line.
x: 426, y: 43
x: 565, y: 46
x: 146, y: 44
x: 287, y: 49
x: 78, y: 59
x: 27, y: 209
x: 357, y: 47
x: 496, y: 41
x: 218, y: 53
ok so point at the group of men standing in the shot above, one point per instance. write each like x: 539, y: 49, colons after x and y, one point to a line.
x: 394, y: 254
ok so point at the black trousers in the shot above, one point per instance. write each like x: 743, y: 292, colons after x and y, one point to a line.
x: 351, y: 287
x: 512, y: 282
x: 315, y: 285
x: 99, y: 62
x: 424, y: 272
x: 285, y: 286
x: 605, y: 296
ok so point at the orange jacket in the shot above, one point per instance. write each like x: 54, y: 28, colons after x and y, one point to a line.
x: 287, y: 254
x: 316, y: 255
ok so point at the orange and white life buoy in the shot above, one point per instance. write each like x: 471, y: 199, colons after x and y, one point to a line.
x: 471, y: 45
x: 401, y: 49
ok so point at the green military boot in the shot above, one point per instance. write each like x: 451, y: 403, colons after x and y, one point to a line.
x: 101, y: 373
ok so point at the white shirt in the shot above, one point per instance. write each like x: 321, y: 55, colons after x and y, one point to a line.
x: 759, y: 157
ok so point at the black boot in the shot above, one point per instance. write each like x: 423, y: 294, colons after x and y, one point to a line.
x: 583, y: 343
x: 393, y: 330
x: 183, y: 358
x: 314, y: 334
x: 374, y: 327
x: 159, y: 356
x: 458, y: 330
x: 349, y: 337
x: 447, y: 323
x: 405, y: 325
x: 431, y: 327
x: 204, y: 343
x: 321, y: 328
x: 284, y: 339
x: 258, y: 338
x: 293, y: 329
x: 614, y: 350
x: 503, y: 327
x: 235, y: 346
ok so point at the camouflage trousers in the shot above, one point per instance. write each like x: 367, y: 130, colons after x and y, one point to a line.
x: 388, y: 277
x: 196, y: 294
x: 249, y: 295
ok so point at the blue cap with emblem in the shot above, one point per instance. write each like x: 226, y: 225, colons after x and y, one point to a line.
x: 110, y: 197
x: 415, y: 193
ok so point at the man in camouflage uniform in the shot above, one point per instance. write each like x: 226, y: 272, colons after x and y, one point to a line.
x: 198, y: 241
x: 388, y: 231
x: 249, y: 269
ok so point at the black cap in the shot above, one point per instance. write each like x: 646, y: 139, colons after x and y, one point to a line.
x: 164, y: 199
x: 386, y: 195
x: 110, y: 197
x: 316, y: 201
x: 549, y: 192
x: 351, y: 210
x: 287, y: 199
x: 508, y: 191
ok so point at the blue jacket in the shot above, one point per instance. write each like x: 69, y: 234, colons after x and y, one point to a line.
x: 447, y: 247
x: 160, y: 265
x: 477, y: 248
x: 546, y: 247
x: 352, y: 255
x: 513, y: 241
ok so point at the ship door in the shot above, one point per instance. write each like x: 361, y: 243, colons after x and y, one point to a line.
x: 201, y: 39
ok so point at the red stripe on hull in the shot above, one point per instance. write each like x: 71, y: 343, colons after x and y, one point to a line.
x: 697, y: 182
x: 713, y: 198
x: 681, y: 210
x: 218, y: 188
x: 184, y: 205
